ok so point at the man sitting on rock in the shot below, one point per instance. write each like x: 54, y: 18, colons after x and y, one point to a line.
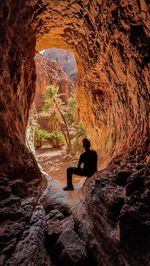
x: 89, y: 161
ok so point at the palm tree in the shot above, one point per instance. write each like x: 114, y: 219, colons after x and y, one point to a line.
x: 53, y: 103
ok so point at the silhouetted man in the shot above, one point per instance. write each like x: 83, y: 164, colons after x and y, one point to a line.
x: 89, y: 161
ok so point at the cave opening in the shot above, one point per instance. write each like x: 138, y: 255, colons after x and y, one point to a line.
x: 110, y: 40
x: 55, y: 68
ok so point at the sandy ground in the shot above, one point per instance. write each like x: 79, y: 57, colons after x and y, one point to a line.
x: 55, y: 163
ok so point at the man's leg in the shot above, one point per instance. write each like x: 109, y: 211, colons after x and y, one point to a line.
x: 70, y: 171
x: 76, y: 171
x: 69, y: 186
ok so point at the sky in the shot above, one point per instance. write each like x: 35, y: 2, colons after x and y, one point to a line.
x: 42, y: 52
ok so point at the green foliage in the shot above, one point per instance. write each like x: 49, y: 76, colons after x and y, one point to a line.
x: 56, y: 139
x: 50, y: 95
x: 53, y: 105
x: 71, y: 108
x: 40, y: 136
x: 80, y: 130
x: 46, y: 108
x: 51, y: 92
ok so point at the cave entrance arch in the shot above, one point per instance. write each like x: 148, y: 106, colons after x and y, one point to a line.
x: 56, y: 67
x: 111, y: 42
x: 108, y: 91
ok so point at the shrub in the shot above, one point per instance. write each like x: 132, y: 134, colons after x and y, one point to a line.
x: 71, y: 108
x: 56, y: 139
x: 40, y: 137
x: 80, y: 130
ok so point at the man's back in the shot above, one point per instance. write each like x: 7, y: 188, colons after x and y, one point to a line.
x: 89, y: 159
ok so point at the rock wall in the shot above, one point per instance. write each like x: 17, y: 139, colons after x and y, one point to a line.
x: 65, y: 59
x: 49, y: 72
x: 111, y: 42
x: 21, y: 182
x: 30, y: 129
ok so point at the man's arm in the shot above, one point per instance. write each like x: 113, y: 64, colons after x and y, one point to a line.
x: 80, y: 161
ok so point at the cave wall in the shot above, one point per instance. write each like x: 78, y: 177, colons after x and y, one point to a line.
x: 111, y: 41
x: 17, y: 84
x: 21, y: 182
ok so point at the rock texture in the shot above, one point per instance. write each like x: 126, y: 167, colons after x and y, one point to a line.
x: 31, y: 127
x: 65, y: 59
x: 68, y: 236
x: 122, y: 215
x: 111, y: 42
x: 49, y: 72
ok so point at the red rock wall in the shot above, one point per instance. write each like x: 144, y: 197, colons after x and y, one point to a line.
x: 49, y: 72
x: 17, y: 82
x: 65, y: 59
x: 21, y: 182
x: 111, y: 42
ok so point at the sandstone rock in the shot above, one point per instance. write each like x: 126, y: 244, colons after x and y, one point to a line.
x: 30, y: 130
x: 135, y: 217
x: 121, y: 177
x: 72, y: 249
x: 67, y: 223
x: 4, y: 192
x: 19, y: 187
x: 50, y: 72
x: 65, y: 59
x: 30, y: 250
x: 110, y: 40
x: 55, y: 214
x: 57, y: 223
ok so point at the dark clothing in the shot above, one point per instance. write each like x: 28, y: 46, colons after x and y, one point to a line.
x: 89, y: 160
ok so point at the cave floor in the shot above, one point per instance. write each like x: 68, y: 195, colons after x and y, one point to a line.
x: 55, y: 162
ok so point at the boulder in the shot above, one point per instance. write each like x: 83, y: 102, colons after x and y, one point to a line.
x: 72, y: 250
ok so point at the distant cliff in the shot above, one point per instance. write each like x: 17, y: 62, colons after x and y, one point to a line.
x: 49, y: 72
x: 65, y: 59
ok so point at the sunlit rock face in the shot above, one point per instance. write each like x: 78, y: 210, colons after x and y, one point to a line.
x: 111, y: 42
x: 65, y: 59
x: 49, y: 72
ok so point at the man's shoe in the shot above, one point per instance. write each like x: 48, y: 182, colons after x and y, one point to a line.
x: 68, y: 188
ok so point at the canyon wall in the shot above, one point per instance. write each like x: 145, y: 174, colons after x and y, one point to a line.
x: 111, y: 42
x: 49, y: 72
x: 65, y: 59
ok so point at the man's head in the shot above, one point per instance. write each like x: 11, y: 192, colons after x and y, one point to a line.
x: 86, y: 144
